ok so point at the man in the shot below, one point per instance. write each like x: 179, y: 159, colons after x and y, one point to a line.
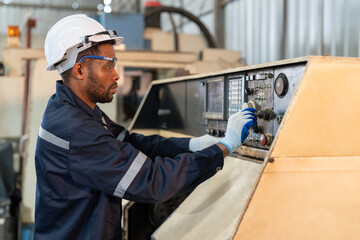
x: 86, y: 163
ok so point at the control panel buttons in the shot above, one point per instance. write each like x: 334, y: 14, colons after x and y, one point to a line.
x: 210, y: 132
x: 219, y: 133
x: 259, y: 76
x: 263, y: 76
x: 216, y: 132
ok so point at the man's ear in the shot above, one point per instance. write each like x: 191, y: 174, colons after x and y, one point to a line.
x: 78, y: 71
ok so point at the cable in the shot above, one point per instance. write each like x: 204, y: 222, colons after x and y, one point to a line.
x: 187, y: 14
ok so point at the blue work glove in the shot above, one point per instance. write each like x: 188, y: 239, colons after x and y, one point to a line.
x: 238, y: 128
x: 199, y: 143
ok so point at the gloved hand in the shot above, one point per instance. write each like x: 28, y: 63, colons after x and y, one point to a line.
x: 199, y: 143
x: 238, y: 128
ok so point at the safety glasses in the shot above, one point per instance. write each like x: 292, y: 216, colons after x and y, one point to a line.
x: 98, y: 57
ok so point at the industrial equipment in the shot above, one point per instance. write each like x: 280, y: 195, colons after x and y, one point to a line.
x: 202, y: 104
x: 303, y: 130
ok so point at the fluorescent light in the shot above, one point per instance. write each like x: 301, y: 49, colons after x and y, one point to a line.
x: 100, y: 7
x: 107, y: 9
x: 107, y: 2
x: 75, y: 5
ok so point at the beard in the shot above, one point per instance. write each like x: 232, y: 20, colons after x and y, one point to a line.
x: 98, y: 92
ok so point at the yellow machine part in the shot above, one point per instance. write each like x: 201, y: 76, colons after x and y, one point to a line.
x: 311, y: 190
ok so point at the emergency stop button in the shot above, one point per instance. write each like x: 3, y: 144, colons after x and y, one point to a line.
x: 265, y: 140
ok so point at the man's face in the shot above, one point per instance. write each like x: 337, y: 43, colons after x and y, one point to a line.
x: 101, y: 80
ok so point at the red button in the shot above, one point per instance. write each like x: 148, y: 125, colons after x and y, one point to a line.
x: 263, y: 140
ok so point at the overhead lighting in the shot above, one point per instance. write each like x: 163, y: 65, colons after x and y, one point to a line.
x: 107, y: 2
x: 107, y: 9
x: 75, y: 5
x: 7, y: 1
x: 100, y: 7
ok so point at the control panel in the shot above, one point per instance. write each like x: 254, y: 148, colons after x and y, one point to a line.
x: 258, y: 94
x: 267, y: 90
x: 196, y: 105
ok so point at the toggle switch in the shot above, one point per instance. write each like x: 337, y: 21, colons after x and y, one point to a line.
x: 249, y: 91
x: 266, y: 114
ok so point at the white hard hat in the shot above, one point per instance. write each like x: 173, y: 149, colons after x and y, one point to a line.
x: 71, y: 35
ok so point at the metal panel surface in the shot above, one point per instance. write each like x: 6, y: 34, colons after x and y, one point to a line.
x: 146, y: 114
x: 164, y: 108
x: 174, y: 98
x: 294, y: 73
x: 214, y: 209
x: 195, y: 96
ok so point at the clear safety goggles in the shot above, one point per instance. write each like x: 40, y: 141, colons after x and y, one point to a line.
x: 98, y: 57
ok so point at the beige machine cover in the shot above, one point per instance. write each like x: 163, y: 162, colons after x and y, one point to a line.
x: 312, y: 189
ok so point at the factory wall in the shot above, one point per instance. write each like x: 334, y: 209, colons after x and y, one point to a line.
x: 321, y: 27
x: 255, y: 27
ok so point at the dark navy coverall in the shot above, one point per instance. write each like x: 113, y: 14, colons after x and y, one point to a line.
x: 86, y: 163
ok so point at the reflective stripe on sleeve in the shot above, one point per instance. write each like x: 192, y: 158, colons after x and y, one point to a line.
x: 51, y: 138
x: 122, y: 135
x: 130, y: 175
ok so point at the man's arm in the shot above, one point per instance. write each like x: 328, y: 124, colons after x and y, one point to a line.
x: 98, y: 160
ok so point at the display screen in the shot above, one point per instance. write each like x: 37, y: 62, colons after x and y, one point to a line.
x: 215, y: 96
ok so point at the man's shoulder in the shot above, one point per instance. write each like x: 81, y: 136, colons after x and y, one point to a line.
x: 58, y: 109
x: 62, y: 118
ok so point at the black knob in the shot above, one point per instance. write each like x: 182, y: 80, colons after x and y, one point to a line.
x: 221, y: 133
x: 257, y: 129
x: 249, y: 91
x: 218, y: 133
x: 210, y: 132
x: 266, y: 114
x: 281, y: 85
x: 261, y: 114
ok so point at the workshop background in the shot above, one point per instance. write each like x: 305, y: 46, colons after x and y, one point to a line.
x: 186, y: 37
